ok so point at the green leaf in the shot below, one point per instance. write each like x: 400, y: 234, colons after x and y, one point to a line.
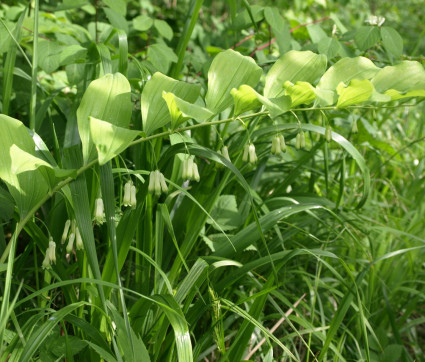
x: 276, y: 106
x: 163, y: 29
x: 140, y: 352
x: 226, y: 213
x: 72, y: 54
x: 27, y: 188
x: 358, y: 91
x: 366, y: 37
x: 300, y: 92
x: 245, y: 99
x: 23, y: 162
x: 403, y: 77
x: 344, y: 71
x: 7, y: 205
x: 181, y: 331
x: 392, y: 41
x: 142, y: 22
x: 395, y: 95
x: 329, y: 47
x: 181, y: 111
x: 155, y: 113
x: 279, y: 27
x: 161, y: 56
x: 119, y: 6
x: 40, y: 334
x: 293, y: 66
x: 107, y: 98
x: 228, y: 70
x: 109, y: 140
x: 117, y: 20
x: 49, y: 55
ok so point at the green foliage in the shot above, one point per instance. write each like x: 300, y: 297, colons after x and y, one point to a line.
x: 152, y: 134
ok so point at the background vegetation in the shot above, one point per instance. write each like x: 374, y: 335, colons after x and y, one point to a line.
x: 299, y: 255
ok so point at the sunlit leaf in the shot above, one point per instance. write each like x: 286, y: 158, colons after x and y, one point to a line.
x: 107, y: 98
x: 181, y: 111
x: 358, y: 91
x: 300, y: 92
x: 155, y: 113
x: 29, y: 187
x: 293, y: 66
x: 245, y: 99
x: 109, y: 140
x: 228, y: 70
x: 344, y: 71
x: 403, y: 77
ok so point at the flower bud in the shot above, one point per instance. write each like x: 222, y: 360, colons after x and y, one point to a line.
x: 164, y: 186
x: 298, y: 141
x: 245, y: 153
x: 133, y: 199
x: 99, y: 216
x: 185, y: 170
x: 252, y: 154
x: 52, y: 250
x: 328, y: 134
x: 79, y: 241
x: 195, y: 172
x: 46, y: 261
x: 70, y: 243
x: 65, y: 231
x: 275, y: 145
x: 50, y: 256
x: 127, y: 193
x: 278, y: 144
x: 282, y: 143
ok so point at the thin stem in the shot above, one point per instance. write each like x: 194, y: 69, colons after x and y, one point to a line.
x: 33, y: 101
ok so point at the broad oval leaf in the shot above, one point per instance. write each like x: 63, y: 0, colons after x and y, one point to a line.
x: 358, y: 91
x: 392, y: 41
x: 181, y: 111
x: 276, y: 106
x: 245, y: 99
x: 107, y: 98
x: 366, y: 37
x: 229, y: 70
x: 26, y: 188
x: 293, y: 66
x: 155, y: 112
x: 300, y: 92
x: 403, y: 77
x: 344, y: 71
x: 110, y: 140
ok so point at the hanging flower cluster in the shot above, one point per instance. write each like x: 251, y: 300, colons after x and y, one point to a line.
x: 99, y: 214
x: 249, y: 154
x: 190, y: 170
x: 278, y: 144
x: 50, y: 257
x: 74, y: 235
x: 157, y: 183
x: 129, y: 198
